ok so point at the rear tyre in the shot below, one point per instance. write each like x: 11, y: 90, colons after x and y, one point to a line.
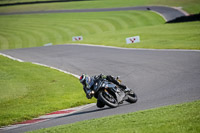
x: 108, y: 99
x: 132, y: 98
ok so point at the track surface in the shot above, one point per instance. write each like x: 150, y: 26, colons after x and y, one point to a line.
x: 167, y: 12
x: 159, y: 77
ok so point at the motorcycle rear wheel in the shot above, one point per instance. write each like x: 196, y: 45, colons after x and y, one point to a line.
x: 108, y: 100
x: 132, y: 98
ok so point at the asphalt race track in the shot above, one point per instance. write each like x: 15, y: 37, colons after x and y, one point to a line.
x: 168, y: 13
x: 159, y: 77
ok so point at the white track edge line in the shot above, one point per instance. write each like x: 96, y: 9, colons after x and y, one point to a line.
x: 13, y: 58
x: 160, y: 15
x: 76, y: 109
x: 181, y: 10
x: 77, y: 76
x: 141, y: 49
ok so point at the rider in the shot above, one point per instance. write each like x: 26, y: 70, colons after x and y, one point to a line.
x: 88, y: 83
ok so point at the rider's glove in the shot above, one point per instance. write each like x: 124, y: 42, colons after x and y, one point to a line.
x: 102, y: 76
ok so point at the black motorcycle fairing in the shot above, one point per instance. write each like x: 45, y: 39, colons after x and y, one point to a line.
x: 110, y: 87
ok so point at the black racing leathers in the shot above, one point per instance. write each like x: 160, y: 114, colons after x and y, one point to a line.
x: 95, y: 79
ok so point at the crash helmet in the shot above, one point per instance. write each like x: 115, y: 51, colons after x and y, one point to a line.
x: 86, y: 80
x: 82, y: 78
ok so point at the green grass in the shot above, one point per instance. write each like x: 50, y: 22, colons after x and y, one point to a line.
x: 102, y: 28
x: 28, y: 91
x: 167, y: 36
x: 19, y: 31
x: 192, y: 6
x: 182, y: 118
x: 20, y: 1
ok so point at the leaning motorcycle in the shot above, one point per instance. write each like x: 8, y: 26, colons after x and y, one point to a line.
x: 111, y: 95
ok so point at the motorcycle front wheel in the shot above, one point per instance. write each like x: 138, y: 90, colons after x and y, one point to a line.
x: 132, y: 98
x: 108, y: 99
x: 100, y: 104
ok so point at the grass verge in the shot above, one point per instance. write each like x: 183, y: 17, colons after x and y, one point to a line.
x: 182, y: 118
x: 28, y: 91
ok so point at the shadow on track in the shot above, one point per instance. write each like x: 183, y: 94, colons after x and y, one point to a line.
x: 193, y: 17
x: 91, y: 111
x: 84, y: 112
x: 38, y: 2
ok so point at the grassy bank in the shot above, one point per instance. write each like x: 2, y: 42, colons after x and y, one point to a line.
x: 19, y: 31
x: 27, y: 91
x: 102, y: 28
x: 182, y: 118
x: 167, y: 36
x: 191, y: 6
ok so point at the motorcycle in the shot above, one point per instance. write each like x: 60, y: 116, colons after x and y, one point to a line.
x: 111, y: 95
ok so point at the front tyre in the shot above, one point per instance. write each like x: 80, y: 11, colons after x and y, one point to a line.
x: 132, y: 98
x: 108, y: 99
x: 100, y: 104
